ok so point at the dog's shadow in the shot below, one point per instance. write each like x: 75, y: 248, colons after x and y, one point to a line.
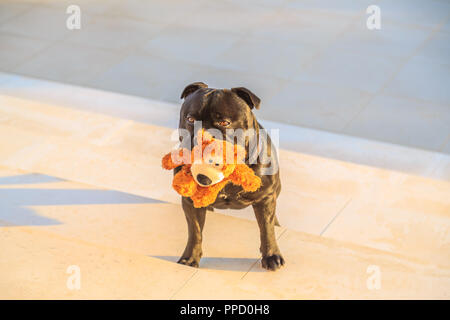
x: 224, y: 264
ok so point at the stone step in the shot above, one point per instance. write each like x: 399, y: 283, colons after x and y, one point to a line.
x: 321, y: 143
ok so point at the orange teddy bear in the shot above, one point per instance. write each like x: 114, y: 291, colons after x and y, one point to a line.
x: 206, y: 170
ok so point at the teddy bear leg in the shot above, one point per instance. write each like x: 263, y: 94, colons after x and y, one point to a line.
x: 195, y: 218
x: 265, y: 215
x: 184, y: 184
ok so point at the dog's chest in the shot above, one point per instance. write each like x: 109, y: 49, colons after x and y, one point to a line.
x: 231, y: 197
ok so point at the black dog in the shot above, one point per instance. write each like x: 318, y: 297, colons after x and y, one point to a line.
x: 232, y: 109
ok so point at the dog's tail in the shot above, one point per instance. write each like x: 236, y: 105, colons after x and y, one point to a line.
x: 277, y: 223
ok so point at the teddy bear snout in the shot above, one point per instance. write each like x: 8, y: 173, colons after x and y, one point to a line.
x: 204, y: 180
x: 206, y: 175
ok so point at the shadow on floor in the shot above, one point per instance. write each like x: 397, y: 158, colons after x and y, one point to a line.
x: 223, y: 264
x: 28, y: 179
x: 14, y: 202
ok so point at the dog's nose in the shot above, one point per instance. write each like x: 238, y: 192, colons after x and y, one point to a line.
x: 204, y: 180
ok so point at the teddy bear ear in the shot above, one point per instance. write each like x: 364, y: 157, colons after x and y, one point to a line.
x: 176, y: 158
x: 203, y: 136
x: 208, y: 137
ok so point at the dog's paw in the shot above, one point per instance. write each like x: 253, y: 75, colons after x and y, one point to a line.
x: 191, y: 261
x: 273, y: 262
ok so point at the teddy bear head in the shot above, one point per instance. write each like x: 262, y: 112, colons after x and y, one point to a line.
x: 216, y: 161
x: 210, y: 161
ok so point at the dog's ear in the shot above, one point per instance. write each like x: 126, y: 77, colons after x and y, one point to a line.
x: 192, y: 88
x: 249, y: 97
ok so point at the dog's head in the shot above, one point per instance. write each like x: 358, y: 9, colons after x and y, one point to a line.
x: 219, y: 109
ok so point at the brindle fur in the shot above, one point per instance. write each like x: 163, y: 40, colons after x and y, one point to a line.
x: 236, y: 104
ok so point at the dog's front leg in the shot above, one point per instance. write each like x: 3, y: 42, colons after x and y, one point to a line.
x: 195, y: 218
x: 265, y: 215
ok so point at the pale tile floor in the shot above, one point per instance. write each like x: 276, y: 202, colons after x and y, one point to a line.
x: 338, y: 219
x: 102, y: 202
x: 314, y: 63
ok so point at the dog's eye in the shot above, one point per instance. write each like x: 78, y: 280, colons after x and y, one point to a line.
x: 191, y: 119
x: 217, y: 164
x: 224, y: 123
x: 210, y: 161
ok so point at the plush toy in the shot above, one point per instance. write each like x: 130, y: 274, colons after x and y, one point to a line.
x: 208, y: 168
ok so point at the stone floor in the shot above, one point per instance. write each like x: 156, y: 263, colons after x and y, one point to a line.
x: 364, y: 125
x: 82, y: 190
x: 314, y: 63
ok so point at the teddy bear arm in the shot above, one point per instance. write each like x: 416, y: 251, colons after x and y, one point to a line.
x: 245, y: 177
x: 204, y: 196
x: 184, y: 183
x: 175, y: 159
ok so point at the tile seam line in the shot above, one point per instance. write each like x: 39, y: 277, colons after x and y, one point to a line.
x: 397, y: 71
x: 21, y: 13
x: 71, y: 239
x: 121, y: 56
x: 420, y: 100
x: 63, y: 40
x: 29, y: 229
x: 183, y: 285
x: 125, y: 53
x: 329, y: 44
x: 51, y: 44
x: 109, y: 13
x: 446, y: 142
x: 206, y: 65
x: 335, y: 217
x: 319, y: 53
